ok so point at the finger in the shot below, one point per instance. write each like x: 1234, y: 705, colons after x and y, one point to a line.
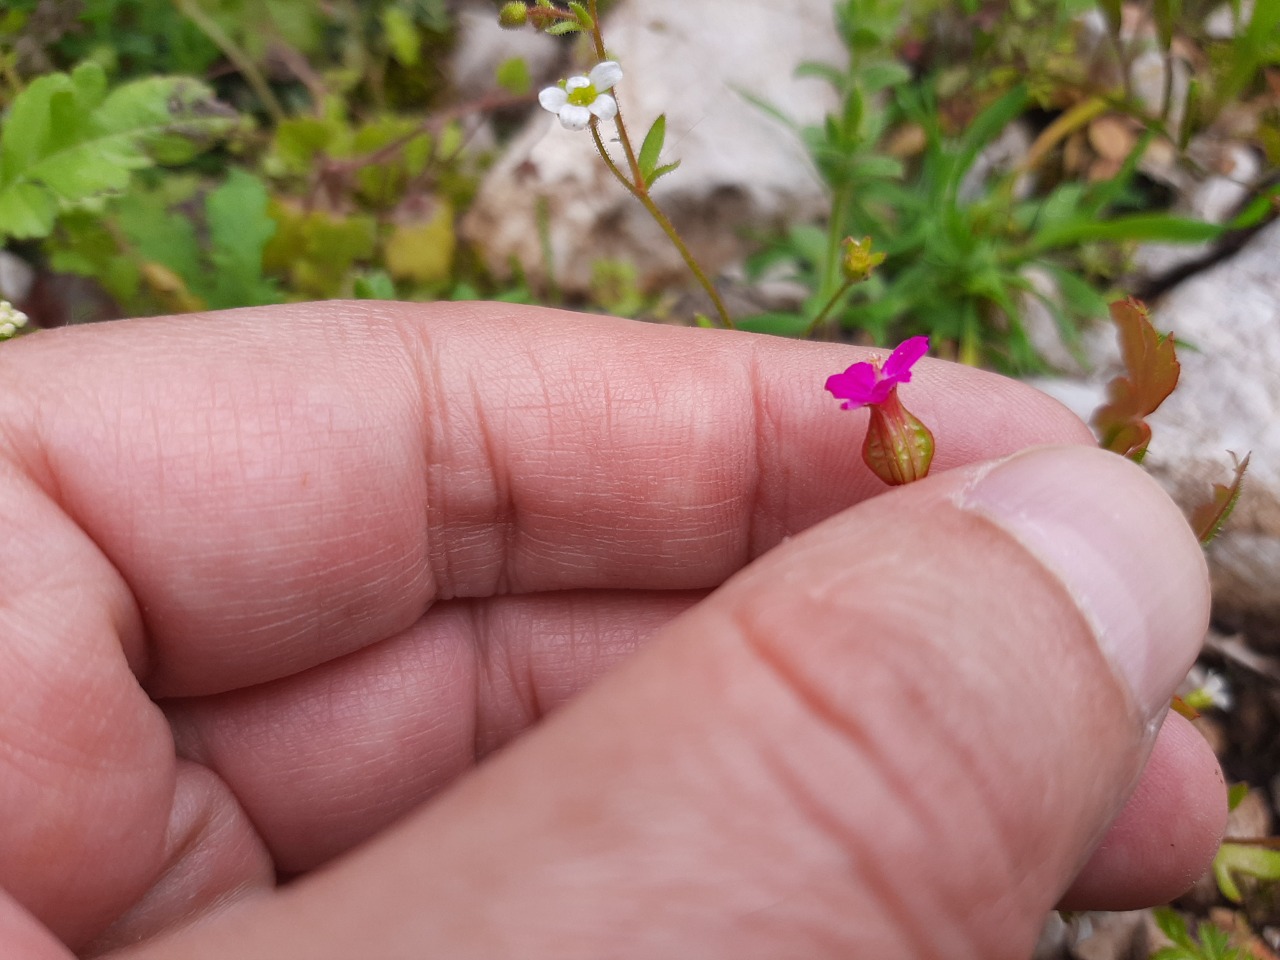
x: 279, y: 488
x: 322, y: 760
x: 208, y: 502
x: 21, y: 936
x: 1167, y: 834
x: 895, y: 736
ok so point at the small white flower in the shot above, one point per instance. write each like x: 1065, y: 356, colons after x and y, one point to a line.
x: 11, y: 319
x: 578, y: 99
x: 1216, y: 691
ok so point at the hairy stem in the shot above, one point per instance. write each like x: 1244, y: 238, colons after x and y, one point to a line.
x: 668, y: 228
x: 640, y: 190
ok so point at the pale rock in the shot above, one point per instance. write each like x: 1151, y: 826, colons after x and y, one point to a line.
x: 700, y: 62
x: 1227, y: 402
x: 1214, y: 198
x: 17, y: 277
x: 483, y: 46
x: 1113, y: 936
x: 1222, y: 24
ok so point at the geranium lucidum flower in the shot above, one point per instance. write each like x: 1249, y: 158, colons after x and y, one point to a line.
x: 578, y: 99
x: 898, y: 447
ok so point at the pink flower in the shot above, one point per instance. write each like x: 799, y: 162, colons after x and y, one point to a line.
x: 898, y: 447
x: 869, y: 384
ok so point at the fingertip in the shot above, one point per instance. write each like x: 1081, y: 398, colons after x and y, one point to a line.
x: 1166, y: 835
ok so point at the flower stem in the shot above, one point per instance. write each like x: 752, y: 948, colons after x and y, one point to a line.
x: 828, y: 307
x: 640, y: 190
x: 669, y: 229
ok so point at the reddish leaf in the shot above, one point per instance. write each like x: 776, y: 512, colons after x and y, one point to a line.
x: 1208, y: 518
x: 1151, y: 373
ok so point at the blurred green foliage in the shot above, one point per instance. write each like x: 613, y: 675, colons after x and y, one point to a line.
x: 206, y: 153
x: 967, y: 242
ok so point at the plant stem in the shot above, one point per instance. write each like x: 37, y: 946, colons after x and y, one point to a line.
x: 668, y: 228
x: 640, y: 190
x: 239, y: 59
x: 828, y: 307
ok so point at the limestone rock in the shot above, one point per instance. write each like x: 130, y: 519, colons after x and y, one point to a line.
x: 1227, y: 401
x: 699, y: 62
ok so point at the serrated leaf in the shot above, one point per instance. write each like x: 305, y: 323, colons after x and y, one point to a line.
x: 651, y: 148
x: 67, y: 141
x: 1151, y: 373
x: 1207, y: 519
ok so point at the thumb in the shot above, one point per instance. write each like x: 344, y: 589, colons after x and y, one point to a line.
x: 897, y: 735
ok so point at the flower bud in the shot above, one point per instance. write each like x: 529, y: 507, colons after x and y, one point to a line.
x: 513, y: 15
x: 858, y: 262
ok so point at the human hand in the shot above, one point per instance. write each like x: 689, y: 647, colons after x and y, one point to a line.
x: 351, y: 548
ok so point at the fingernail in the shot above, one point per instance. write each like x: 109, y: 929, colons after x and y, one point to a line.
x: 1119, y: 546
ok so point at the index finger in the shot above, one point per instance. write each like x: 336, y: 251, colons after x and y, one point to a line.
x: 280, y: 486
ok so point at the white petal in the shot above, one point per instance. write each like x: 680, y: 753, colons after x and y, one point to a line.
x: 574, y: 117
x: 576, y: 83
x: 605, y: 74
x: 552, y: 98
x: 604, y: 107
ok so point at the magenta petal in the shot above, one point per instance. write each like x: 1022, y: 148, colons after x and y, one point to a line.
x: 897, y: 369
x: 855, y: 385
x: 880, y: 392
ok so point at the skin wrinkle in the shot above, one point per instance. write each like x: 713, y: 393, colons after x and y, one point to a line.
x: 715, y: 516
x: 908, y: 673
x: 903, y: 907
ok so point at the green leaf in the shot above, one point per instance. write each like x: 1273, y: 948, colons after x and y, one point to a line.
x: 563, y: 27
x: 1148, y: 227
x: 880, y: 76
x: 583, y: 15
x: 378, y: 285
x: 422, y: 251
x: 239, y: 229
x: 662, y: 171
x: 402, y: 36
x: 512, y: 75
x: 67, y: 141
x: 1173, y: 926
x: 986, y: 126
x: 1236, y: 794
x: 651, y: 147
x: 776, y: 323
x: 1238, y: 859
x: 1166, y: 14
